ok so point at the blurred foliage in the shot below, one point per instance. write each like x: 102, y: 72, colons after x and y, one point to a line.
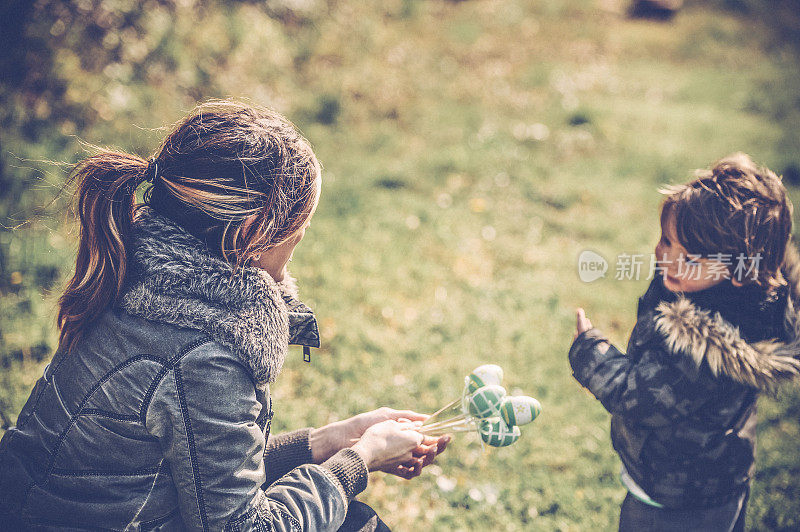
x: 471, y: 149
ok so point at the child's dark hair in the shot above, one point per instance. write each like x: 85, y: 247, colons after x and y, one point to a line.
x: 223, y: 164
x: 737, y: 209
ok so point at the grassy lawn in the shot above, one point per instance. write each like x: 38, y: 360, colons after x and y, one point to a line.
x: 472, y: 150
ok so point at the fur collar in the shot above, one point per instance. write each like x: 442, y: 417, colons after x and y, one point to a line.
x: 708, y: 337
x: 175, y: 280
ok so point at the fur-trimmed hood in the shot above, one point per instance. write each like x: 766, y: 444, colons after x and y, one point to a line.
x: 175, y: 279
x: 708, y: 337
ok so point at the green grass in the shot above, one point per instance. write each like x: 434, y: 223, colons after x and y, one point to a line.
x: 471, y: 151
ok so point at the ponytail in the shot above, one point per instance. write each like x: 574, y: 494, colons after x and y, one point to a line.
x: 106, y: 188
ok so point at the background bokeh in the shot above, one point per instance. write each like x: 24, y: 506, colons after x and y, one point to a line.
x: 472, y: 149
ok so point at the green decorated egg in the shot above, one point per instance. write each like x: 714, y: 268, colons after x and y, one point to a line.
x: 497, y: 434
x: 483, y: 376
x: 485, y: 402
x: 519, y: 410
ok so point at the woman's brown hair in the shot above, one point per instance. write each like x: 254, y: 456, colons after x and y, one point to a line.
x: 222, y: 164
x: 736, y: 209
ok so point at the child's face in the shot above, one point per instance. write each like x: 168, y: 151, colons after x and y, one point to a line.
x: 684, y: 272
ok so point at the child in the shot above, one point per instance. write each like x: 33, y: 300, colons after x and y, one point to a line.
x: 717, y: 325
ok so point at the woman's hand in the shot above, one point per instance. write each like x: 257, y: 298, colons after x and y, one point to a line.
x: 390, y: 444
x: 330, y: 439
x: 423, y: 455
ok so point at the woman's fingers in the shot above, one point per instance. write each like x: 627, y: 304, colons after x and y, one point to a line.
x: 421, y: 457
x: 426, y: 456
x: 405, y: 415
x: 436, y: 443
x: 428, y: 459
x: 442, y: 444
x: 413, y: 468
x: 406, y: 472
x: 384, y: 413
x: 428, y: 445
x: 406, y: 463
x: 389, y: 443
x: 431, y: 448
x: 413, y: 426
x: 425, y: 450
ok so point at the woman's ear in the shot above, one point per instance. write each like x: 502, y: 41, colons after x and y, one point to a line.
x: 736, y: 282
x: 249, y: 222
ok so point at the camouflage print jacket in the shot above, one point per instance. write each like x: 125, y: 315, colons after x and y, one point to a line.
x: 683, y: 398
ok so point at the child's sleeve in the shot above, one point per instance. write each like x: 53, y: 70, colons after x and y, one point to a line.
x: 647, y: 391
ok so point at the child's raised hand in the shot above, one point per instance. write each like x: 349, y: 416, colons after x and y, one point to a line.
x: 582, y: 323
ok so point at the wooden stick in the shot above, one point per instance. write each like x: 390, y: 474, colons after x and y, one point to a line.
x: 459, y: 417
x: 450, y: 405
x: 444, y: 426
x: 440, y: 432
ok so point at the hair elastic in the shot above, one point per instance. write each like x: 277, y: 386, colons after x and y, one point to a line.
x: 152, y: 171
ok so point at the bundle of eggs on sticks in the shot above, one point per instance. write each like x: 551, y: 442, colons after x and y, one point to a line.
x: 485, y: 407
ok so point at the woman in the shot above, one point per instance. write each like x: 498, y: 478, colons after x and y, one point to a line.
x: 155, y: 411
